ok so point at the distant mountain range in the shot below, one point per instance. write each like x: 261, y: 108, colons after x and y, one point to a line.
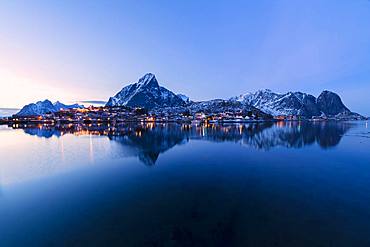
x: 147, y: 93
x: 43, y: 107
x: 295, y: 103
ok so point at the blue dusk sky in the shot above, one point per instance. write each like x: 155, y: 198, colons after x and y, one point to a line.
x: 88, y: 50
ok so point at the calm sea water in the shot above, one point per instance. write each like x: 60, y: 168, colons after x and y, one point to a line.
x: 284, y: 184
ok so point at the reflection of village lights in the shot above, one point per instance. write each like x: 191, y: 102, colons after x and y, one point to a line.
x: 280, y: 124
x: 91, y: 151
x: 62, y: 149
x: 150, y: 125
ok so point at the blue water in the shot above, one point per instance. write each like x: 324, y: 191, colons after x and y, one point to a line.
x: 282, y: 184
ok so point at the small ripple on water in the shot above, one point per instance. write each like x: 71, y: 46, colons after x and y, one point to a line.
x: 361, y: 134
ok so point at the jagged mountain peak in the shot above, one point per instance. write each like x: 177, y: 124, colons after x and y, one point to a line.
x: 59, y: 106
x: 330, y: 94
x: 145, y: 93
x: 327, y: 93
x: 266, y: 90
x: 43, y: 107
x: 148, y: 80
x: 330, y: 103
x: 45, y: 101
x: 185, y: 98
x: 295, y: 103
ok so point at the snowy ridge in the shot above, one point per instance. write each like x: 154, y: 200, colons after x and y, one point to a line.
x: 146, y: 93
x: 294, y: 103
x: 185, y: 98
x: 43, y: 107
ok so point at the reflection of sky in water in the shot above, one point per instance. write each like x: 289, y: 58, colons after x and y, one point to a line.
x: 45, y: 151
x: 25, y: 157
x: 254, y: 185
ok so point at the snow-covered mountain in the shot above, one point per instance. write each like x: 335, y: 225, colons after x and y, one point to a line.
x: 331, y: 104
x: 185, y: 98
x: 220, y: 105
x: 213, y: 107
x: 295, y: 103
x: 146, y: 93
x: 59, y: 106
x: 42, y: 107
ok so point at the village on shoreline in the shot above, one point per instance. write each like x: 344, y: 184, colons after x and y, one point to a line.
x: 113, y: 115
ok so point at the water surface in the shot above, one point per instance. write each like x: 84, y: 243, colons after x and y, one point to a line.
x: 266, y: 184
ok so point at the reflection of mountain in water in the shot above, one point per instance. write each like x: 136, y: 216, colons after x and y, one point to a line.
x: 148, y: 141
x: 297, y: 135
x: 42, y: 132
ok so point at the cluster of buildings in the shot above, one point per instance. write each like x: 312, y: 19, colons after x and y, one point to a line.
x: 225, y: 117
x: 125, y: 114
x: 113, y: 115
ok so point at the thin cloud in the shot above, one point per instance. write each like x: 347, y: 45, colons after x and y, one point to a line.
x: 93, y: 102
